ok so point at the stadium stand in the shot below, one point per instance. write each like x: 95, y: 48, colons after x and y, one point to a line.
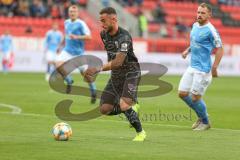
x: 23, y: 18
x: 223, y: 12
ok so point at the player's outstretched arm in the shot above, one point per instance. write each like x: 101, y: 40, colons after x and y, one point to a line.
x: 115, y: 63
x: 218, y: 57
x: 89, y: 74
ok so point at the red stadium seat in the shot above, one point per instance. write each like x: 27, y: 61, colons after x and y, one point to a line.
x: 187, y: 10
x: 154, y: 27
x: 132, y: 10
x: 149, y: 5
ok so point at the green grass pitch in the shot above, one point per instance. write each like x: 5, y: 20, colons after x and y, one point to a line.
x: 166, y: 119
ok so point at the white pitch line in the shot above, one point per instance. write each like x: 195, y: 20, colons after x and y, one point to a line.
x: 171, y: 125
x: 15, y: 109
x: 115, y: 121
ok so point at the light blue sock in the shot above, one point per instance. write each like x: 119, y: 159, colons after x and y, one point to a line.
x: 189, y: 102
x: 92, y: 87
x: 202, y: 110
x: 68, y: 80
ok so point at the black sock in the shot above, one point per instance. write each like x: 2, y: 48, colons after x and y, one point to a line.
x: 116, y: 110
x: 133, y: 119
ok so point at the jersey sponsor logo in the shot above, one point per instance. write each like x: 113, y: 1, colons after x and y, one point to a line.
x: 202, y: 34
x: 195, y: 44
x: 124, y: 47
x: 74, y: 28
x: 110, y: 46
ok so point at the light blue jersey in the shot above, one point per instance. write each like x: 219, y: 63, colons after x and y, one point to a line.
x: 6, y: 44
x: 77, y: 27
x: 53, y: 40
x: 203, y: 40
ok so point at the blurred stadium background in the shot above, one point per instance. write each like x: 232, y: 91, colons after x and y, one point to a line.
x: 160, y: 28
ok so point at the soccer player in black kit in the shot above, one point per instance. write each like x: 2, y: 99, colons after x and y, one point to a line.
x: 120, y: 93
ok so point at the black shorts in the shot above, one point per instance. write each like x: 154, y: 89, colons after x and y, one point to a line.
x: 118, y: 87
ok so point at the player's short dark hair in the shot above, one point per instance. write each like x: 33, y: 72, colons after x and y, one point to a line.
x: 208, y: 6
x: 108, y: 10
x: 73, y: 6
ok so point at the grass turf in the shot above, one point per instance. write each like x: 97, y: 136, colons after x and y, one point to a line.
x: 166, y: 119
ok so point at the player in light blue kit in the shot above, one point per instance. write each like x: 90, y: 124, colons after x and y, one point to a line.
x: 53, y: 40
x: 204, y: 38
x: 6, y: 48
x: 76, y: 32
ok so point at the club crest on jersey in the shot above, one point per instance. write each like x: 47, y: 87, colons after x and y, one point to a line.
x: 124, y: 47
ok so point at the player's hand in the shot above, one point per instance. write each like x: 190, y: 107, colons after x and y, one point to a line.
x: 214, y: 72
x: 90, y: 74
x: 72, y: 36
x: 184, y: 54
x: 92, y: 71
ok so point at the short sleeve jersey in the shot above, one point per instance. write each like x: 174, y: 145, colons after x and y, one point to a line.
x: 203, y: 40
x: 121, y: 43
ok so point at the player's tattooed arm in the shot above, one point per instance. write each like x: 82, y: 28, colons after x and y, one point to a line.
x: 218, y: 57
x: 113, y: 64
x: 186, y: 52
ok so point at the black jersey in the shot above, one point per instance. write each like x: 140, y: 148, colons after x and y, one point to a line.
x: 121, y: 42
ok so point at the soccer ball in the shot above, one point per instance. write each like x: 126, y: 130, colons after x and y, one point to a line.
x: 62, y: 131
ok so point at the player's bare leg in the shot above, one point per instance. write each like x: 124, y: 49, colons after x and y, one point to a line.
x: 106, y: 109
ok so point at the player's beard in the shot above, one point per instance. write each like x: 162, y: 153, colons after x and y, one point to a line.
x: 73, y: 17
x: 110, y: 28
x: 202, y: 22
